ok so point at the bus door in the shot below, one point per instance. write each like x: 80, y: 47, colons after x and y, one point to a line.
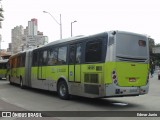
x: 75, y: 62
x: 42, y: 65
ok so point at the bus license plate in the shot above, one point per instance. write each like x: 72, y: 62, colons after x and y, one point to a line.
x: 133, y: 90
x: 132, y: 79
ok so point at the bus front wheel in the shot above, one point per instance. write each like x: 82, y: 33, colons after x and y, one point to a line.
x: 63, y: 90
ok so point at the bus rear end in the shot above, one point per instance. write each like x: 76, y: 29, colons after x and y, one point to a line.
x: 128, y: 62
x: 3, y: 68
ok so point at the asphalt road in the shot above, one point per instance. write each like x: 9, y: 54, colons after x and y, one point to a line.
x: 13, y: 98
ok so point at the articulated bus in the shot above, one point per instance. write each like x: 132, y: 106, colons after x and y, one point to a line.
x: 109, y: 64
x: 3, y: 68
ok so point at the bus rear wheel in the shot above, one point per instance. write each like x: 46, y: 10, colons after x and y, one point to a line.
x: 63, y: 90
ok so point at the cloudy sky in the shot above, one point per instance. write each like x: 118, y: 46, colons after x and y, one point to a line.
x: 92, y: 16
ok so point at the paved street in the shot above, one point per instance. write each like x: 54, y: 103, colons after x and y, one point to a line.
x: 13, y: 98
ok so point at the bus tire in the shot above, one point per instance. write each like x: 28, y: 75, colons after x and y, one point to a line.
x: 63, y: 90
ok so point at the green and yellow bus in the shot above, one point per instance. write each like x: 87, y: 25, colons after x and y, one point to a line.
x: 3, y: 68
x: 109, y: 64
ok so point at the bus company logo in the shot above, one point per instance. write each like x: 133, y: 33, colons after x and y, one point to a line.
x: 6, y: 114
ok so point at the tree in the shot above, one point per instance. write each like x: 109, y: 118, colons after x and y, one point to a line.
x: 151, y: 46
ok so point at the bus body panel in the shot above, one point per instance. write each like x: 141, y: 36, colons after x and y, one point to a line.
x: 3, y: 68
x: 3, y: 73
x: 132, y: 74
x: 92, y: 79
x: 49, y: 81
x: 109, y: 67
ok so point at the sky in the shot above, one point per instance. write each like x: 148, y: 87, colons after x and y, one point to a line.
x: 92, y: 16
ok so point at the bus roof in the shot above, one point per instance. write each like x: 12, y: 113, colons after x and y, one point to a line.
x: 81, y: 37
x: 19, y: 53
x: 76, y: 38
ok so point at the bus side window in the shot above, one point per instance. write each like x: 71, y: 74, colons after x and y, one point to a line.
x: 62, y: 55
x: 78, y: 53
x: 72, y: 54
x: 43, y: 58
x: 52, y: 56
x: 23, y: 59
x: 93, y: 51
x: 35, y: 59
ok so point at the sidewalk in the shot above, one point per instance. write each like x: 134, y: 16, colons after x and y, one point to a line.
x: 154, y: 83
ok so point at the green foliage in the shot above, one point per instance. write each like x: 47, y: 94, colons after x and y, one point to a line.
x: 154, y: 58
x: 151, y: 44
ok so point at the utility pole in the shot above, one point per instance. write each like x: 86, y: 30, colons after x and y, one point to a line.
x: 1, y: 19
x: 59, y: 23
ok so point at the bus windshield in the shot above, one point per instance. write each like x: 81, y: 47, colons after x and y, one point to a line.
x: 131, y: 46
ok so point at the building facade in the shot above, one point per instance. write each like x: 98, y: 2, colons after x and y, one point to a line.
x: 17, y: 35
x: 32, y: 27
x: 28, y: 38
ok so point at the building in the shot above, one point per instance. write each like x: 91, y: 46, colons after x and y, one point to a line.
x: 35, y: 41
x: 34, y: 38
x: 28, y: 38
x: 32, y: 27
x: 156, y: 50
x: 17, y: 35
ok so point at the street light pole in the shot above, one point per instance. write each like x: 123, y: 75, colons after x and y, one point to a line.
x: 59, y: 23
x: 71, y: 26
x: 60, y: 27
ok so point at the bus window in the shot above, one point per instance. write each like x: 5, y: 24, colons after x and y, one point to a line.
x: 78, y: 53
x: 72, y: 54
x: 14, y: 62
x: 50, y: 57
x: 45, y: 57
x: 18, y: 61
x: 53, y: 56
x: 93, y: 51
x: 142, y: 43
x: 62, y: 55
x: 23, y: 59
x: 35, y: 59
